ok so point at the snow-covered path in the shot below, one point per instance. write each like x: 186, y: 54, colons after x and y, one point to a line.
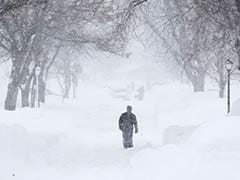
x: 73, y: 141
x: 66, y: 141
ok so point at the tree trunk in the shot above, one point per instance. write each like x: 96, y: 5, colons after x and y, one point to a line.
x: 42, y: 90
x: 25, y: 86
x: 75, y: 84
x: 67, y: 82
x: 197, y: 79
x: 25, y: 91
x: 11, y: 99
x: 67, y: 90
x: 12, y: 92
x: 198, y: 85
x: 222, y: 78
x: 25, y: 97
x: 221, y: 92
x: 33, y: 92
x: 222, y: 86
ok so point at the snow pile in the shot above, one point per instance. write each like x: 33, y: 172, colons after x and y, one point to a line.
x: 23, y: 152
x: 213, y: 152
x: 235, y: 109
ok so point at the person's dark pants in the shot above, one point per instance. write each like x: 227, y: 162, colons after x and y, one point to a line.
x: 127, y: 138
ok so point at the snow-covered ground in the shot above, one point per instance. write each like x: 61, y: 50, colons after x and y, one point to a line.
x: 183, y: 135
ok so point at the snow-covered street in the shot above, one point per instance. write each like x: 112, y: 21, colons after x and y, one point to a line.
x: 72, y: 140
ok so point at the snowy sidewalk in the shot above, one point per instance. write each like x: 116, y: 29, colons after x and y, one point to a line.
x: 73, y: 141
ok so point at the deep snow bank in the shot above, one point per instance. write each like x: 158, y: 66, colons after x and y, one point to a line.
x: 213, y: 152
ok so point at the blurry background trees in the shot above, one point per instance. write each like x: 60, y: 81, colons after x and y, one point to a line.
x: 197, y: 35
x: 32, y: 34
x: 193, y: 37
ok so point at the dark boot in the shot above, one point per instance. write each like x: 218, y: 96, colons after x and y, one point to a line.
x: 130, y: 146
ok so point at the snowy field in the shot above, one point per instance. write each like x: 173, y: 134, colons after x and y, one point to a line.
x: 182, y: 135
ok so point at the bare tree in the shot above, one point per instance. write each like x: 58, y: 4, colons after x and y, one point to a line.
x: 179, y: 29
x: 67, y: 71
x: 27, y: 32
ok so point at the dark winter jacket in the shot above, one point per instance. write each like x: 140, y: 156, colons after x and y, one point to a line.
x: 126, y: 122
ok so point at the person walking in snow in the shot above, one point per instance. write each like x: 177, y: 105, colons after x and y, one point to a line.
x: 126, y: 123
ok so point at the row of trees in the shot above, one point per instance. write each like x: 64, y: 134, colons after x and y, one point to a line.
x: 34, y: 32
x: 198, y: 35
